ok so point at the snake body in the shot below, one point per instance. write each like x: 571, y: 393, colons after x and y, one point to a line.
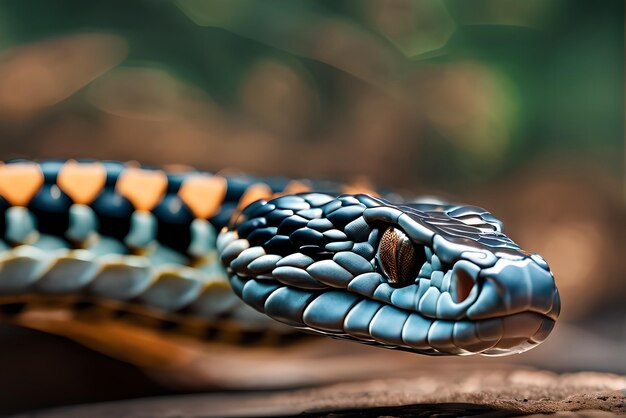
x: 243, y: 254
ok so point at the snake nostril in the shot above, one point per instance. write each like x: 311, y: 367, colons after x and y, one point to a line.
x: 463, y: 284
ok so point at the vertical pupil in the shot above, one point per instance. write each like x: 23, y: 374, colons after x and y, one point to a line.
x: 407, y: 261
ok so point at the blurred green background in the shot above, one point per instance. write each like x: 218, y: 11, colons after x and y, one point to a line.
x: 448, y: 93
x: 515, y: 105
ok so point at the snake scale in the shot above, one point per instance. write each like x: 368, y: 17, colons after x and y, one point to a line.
x: 238, y: 254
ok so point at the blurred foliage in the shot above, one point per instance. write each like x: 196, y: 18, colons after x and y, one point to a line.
x: 481, y: 86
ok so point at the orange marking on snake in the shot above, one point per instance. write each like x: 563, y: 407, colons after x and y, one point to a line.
x: 360, y: 186
x: 82, y: 182
x: 296, y: 186
x: 19, y: 182
x: 203, y: 194
x: 144, y: 188
x: 253, y: 193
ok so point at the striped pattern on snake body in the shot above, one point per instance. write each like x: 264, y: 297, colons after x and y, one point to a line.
x: 138, y: 240
x: 235, y: 255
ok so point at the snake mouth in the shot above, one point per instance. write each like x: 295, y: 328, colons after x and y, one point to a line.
x: 374, y: 311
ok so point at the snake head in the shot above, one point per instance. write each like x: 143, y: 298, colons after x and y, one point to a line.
x: 427, y: 278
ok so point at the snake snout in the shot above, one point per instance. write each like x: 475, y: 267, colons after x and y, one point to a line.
x: 514, y: 286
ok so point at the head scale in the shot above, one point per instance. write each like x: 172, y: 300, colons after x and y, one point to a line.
x: 433, y: 279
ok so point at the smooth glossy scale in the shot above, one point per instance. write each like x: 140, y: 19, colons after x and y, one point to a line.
x: 173, y: 223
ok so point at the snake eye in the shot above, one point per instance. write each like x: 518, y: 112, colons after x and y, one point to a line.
x: 399, y: 258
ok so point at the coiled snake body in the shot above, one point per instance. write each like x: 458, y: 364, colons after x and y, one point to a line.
x: 187, y: 247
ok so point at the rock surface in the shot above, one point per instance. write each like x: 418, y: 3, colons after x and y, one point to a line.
x: 436, y: 391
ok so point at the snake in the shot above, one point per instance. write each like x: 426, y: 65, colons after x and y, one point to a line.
x: 227, y: 254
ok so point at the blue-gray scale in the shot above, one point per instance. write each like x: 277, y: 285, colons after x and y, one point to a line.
x: 343, y: 291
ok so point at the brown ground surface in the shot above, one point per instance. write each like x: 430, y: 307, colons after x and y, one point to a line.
x: 52, y: 376
x: 441, y: 392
